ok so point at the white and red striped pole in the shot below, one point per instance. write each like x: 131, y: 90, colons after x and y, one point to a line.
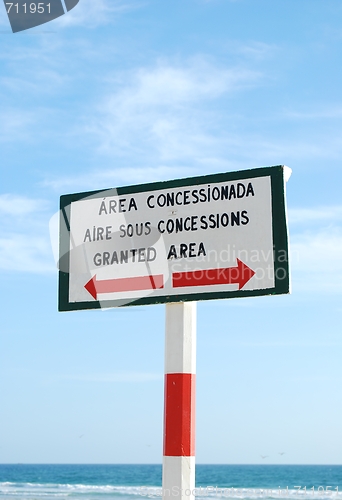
x: 179, y: 410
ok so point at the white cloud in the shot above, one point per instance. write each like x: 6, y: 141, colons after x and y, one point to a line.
x: 164, y: 110
x: 35, y: 80
x: 316, y: 248
x: 27, y: 253
x: 28, y: 80
x: 318, y: 114
x: 93, y: 13
x: 166, y: 84
x: 24, y: 241
x: 318, y: 215
x: 316, y: 261
x: 14, y: 205
x: 294, y: 149
x: 184, y: 113
x: 107, y: 178
x: 42, y: 70
x: 4, y: 19
x: 256, y: 50
x: 15, y: 125
x: 163, y: 116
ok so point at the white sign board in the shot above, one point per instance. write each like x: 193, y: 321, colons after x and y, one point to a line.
x: 214, y: 236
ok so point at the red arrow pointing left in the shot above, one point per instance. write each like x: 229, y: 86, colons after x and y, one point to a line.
x: 152, y: 282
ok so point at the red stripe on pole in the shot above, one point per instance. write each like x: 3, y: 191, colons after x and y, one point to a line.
x: 179, y: 415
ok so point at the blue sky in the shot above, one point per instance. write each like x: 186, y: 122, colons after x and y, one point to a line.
x: 117, y: 93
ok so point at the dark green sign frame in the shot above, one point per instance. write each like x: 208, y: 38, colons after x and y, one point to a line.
x: 279, y: 227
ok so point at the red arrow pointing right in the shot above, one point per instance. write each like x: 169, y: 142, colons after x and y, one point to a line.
x: 240, y: 275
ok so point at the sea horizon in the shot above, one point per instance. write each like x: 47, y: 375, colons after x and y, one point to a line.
x: 138, y: 481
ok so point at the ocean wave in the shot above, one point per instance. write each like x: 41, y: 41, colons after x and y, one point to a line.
x: 210, y: 492
x: 31, y: 491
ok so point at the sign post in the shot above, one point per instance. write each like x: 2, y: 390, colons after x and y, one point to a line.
x: 179, y: 401
x: 211, y: 237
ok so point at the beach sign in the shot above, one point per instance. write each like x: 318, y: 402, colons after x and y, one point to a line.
x: 209, y: 237
x: 176, y: 242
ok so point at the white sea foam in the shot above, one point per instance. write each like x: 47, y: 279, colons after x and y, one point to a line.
x: 276, y: 493
x: 31, y: 491
x: 35, y: 491
x: 210, y: 492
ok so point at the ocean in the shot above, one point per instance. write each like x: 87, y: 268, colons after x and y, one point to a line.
x: 138, y: 482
